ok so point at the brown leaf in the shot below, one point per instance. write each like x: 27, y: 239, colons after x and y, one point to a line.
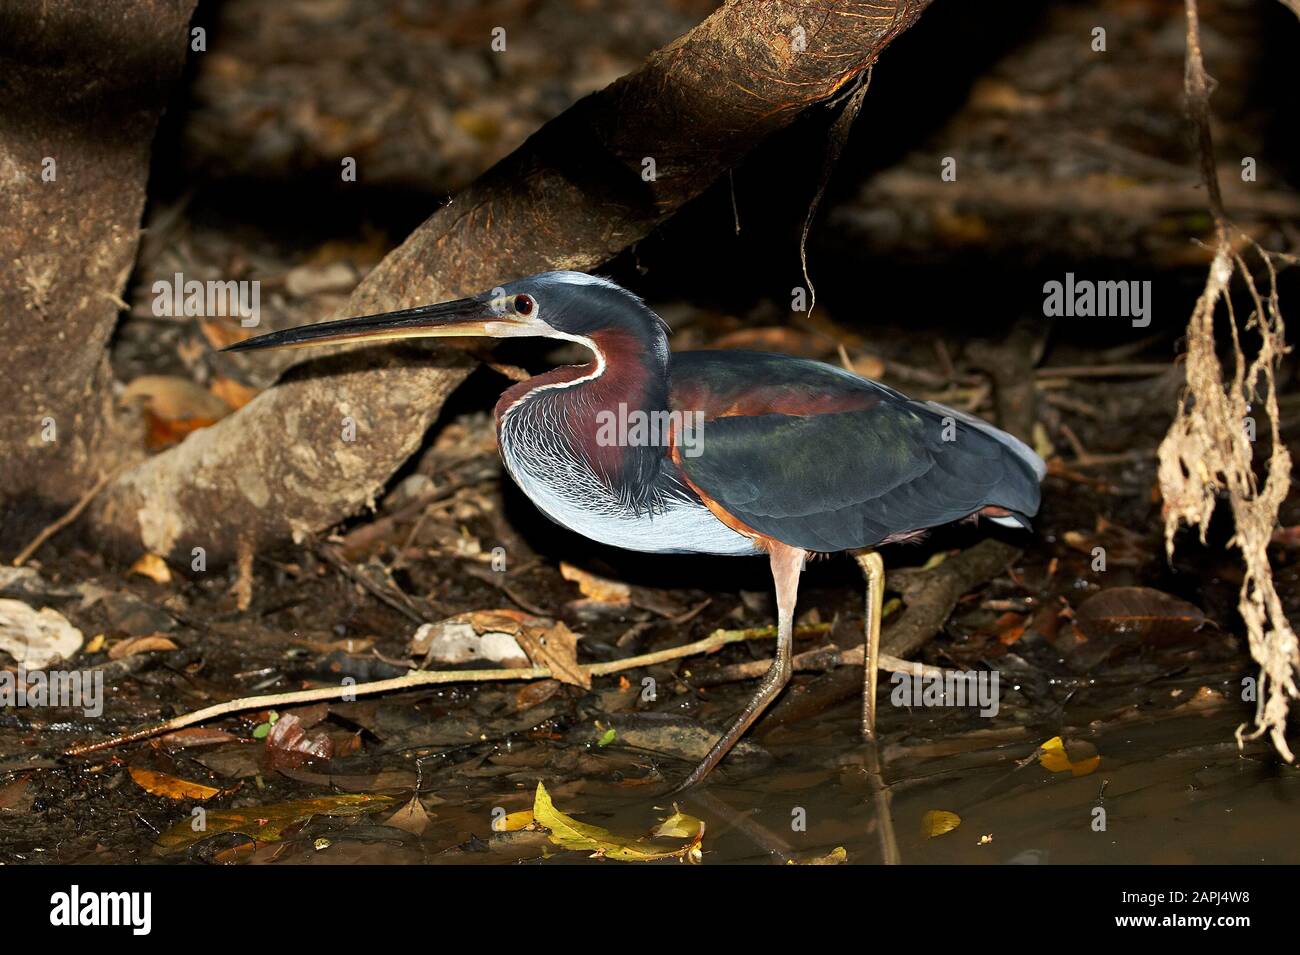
x: 171, y: 787
x: 555, y: 648
x: 267, y: 823
x: 534, y: 694
x: 1138, y: 613
x: 410, y: 818
x: 14, y: 796
x: 129, y: 648
x: 289, y: 744
x: 599, y: 589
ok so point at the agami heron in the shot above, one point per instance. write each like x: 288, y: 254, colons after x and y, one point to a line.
x: 717, y: 452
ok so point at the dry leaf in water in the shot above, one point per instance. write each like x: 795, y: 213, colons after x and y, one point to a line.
x: 410, y: 818
x: 1081, y: 759
x: 514, y: 821
x: 568, y: 833
x: 479, y: 635
x: 936, y: 822
x: 267, y: 823
x: 1139, y: 613
x: 837, y: 856
x: 171, y: 787
x: 289, y: 744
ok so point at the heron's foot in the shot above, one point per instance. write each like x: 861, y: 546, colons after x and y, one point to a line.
x: 778, y: 675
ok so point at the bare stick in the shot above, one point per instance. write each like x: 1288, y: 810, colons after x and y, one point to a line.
x: 714, y: 641
x: 73, y: 513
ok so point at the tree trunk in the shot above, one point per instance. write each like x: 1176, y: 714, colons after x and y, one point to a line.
x: 82, y: 86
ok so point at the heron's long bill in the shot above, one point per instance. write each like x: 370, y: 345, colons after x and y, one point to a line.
x: 463, y: 317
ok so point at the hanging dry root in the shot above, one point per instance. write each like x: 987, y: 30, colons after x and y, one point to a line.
x: 1210, y: 446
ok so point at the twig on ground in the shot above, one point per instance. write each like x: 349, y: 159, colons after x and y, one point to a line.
x: 417, y: 678
x: 72, y: 514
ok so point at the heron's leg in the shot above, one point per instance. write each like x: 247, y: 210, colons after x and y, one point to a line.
x: 787, y: 563
x: 873, y: 568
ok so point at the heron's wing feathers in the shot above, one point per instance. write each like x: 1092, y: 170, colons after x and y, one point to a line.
x: 871, y: 466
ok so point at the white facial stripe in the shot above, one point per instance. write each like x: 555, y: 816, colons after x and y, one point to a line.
x: 582, y: 340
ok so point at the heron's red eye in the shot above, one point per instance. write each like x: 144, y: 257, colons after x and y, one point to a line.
x: 523, y: 304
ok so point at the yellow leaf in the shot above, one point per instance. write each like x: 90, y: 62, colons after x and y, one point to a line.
x: 267, y: 823
x: 837, y: 856
x: 678, y: 826
x: 153, y: 567
x: 1053, y: 756
x: 935, y: 560
x: 161, y: 784
x: 938, y: 821
x: 514, y: 821
x: 568, y: 833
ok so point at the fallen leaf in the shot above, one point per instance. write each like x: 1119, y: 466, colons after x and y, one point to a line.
x: 172, y: 398
x: 267, y: 823
x: 14, y: 796
x: 514, y: 821
x: 607, y: 737
x: 289, y: 744
x: 223, y: 334
x: 172, y: 787
x: 938, y: 821
x: 837, y: 856
x: 555, y: 648
x: 599, y: 589
x: 234, y: 393
x: 534, y: 694
x: 1138, y: 612
x: 480, y: 635
x: 1053, y: 756
x: 129, y: 648
x: 173, y: 407
x: 678, y: 826
x: 568, y: 833
x: 153, y: 567
x: 410, y: 818
x: 312, y: 279
x: 35, y: 639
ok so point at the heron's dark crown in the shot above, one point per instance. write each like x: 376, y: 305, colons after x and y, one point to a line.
x: 576, y: 303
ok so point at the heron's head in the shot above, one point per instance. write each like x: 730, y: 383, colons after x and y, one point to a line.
x: 572, y: 306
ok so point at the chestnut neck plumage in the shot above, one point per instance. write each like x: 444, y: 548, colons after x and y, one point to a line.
x: 554, y: 423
